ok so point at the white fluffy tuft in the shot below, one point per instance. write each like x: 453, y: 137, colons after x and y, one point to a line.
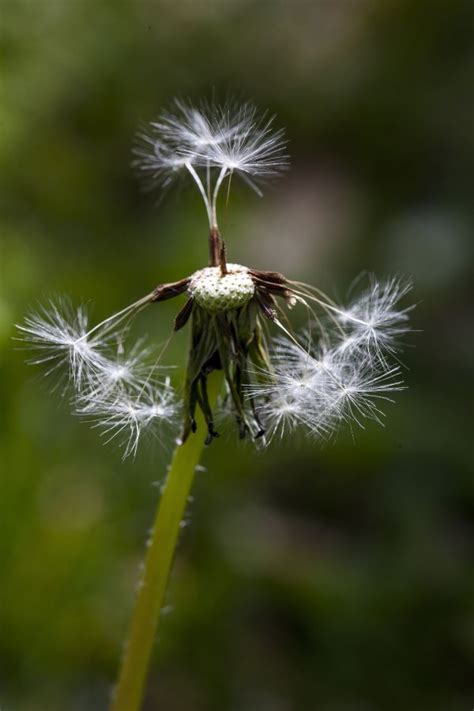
x: 126, y: 416
x: 211, y: 142
x: 58, y: 334
x: 342, y: 377
x: 118, y: 391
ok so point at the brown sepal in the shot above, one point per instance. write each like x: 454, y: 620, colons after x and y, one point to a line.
x: 269, y: 279
x: 266, y: 304
x: 183, y: 316
x: 168, y: 291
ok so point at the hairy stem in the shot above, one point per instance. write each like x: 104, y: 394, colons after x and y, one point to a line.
x: 142, y: 633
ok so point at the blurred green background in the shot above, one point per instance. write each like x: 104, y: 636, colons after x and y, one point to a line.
x: 335, y: 577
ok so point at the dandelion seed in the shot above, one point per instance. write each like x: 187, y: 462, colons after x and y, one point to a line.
x: 320, y: 391
x: 58, y: 335
x: 126, y: 418
x: 374, y: 319
x: 189, y: 128
x: 158, y: 161
x: 209, y: 138
x: 361, y: 389
x: 253, y: 147
x: 124, y: 372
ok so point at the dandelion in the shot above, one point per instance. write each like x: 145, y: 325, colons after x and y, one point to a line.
x: 339, y: 370
x: 316, y: 380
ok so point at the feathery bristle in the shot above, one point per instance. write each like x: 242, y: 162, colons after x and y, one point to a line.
x: 128, y: 416
x: 211, y: 142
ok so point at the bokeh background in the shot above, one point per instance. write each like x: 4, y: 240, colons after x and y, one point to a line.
x: 336, y: 577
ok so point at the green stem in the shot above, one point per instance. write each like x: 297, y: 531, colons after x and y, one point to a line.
x: 129, y: 691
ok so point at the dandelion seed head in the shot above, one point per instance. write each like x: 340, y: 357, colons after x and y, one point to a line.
x: 337, y: 371
x: 216, y: 292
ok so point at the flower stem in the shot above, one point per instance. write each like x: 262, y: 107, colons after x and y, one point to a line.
x: 142, y: 633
